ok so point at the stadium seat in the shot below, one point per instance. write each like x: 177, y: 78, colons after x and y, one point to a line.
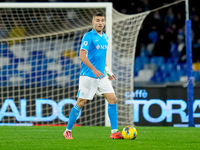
x: 51, y: 60
x: 16, y: 80
x: 37, y: 54
x: 159, y: 60
x: 65, y: 61
x: 183, y: 79
x: 5, y: 83
x: 144, y: 53
x: 151, y: 66
x: 157, y: 79
x: 7, y: 53
x: 142, y: 59
x: 175, y: 75
x: 181, y: 66
x: 24, y: 67
x: 2, y: 77
x: 139, y: 63
x: 45, y: 61
x: 77, y: 61
x: 138, y: 67
x: 52, y: 74
x: 18, y: 60
x: 18, y: 51
x: 196, y: 75
x: 160, y: 76
x: 166, y: 67
x: 62, y: 80
x: 54, y: 67
x: 171, y: 79
x: 7, y: 67
x: 3, y: 47
x: 4, y: 61
x: 173, y: 60
x: 21, y: 73
x: 144, y: 75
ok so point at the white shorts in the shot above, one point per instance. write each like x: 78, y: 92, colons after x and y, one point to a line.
x: 88, y: 87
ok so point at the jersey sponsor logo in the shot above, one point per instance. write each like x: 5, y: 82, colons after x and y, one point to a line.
x: 97, y: 47
x: 85, y: 43
x: 101, y: 47
x: 96, y: 40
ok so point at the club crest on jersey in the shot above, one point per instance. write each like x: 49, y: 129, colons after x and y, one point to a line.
x: 85, y: 43
x: 101, y: 47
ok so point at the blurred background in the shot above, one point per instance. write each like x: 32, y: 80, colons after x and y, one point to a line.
x: 161, y: 41
x: 49, y: 67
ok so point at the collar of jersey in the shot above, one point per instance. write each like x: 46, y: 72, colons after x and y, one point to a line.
x: 96, y: 32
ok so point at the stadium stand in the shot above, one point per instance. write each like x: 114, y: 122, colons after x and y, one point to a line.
x: 151, y: 64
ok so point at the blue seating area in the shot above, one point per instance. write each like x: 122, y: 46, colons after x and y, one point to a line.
x: 36, y: 70
x: 168, y: 70
x: 39, y: 70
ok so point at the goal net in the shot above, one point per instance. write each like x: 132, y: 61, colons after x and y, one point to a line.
x: 39, y: 64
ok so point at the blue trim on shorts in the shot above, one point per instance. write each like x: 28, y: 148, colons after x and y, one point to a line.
x: 78, y: 93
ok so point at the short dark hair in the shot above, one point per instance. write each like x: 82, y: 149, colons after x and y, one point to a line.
x: 98, y: 14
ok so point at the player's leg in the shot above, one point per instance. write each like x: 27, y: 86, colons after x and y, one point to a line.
x: 87, y: 90
x: 112, y: 110
x: 113, y: 115
x: 75, y: 112
x: 106, y: 89
x: 73, y: 116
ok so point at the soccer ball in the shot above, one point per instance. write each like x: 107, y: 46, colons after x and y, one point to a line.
x: 129, y: 133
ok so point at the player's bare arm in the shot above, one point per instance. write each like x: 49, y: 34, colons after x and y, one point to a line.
x: 111, y: 76
x: 86, y: 61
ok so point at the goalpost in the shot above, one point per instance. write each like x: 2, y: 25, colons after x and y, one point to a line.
x: 40, y: 66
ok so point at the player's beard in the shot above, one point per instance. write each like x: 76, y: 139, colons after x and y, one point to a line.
x: 99, y: 30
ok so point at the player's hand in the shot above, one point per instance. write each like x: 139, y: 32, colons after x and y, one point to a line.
x: 98, y: 74
x: 112, y: 77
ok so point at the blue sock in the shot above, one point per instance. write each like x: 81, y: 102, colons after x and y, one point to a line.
x: 112, y: 113
x: 72, y: 117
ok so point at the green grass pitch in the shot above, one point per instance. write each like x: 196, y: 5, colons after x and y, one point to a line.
x: 97, y: 138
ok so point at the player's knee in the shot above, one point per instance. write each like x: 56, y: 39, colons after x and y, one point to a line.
x: 113, y: 100
x: 81, y: 102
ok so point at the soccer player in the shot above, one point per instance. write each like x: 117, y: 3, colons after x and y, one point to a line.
x: 93, y: 77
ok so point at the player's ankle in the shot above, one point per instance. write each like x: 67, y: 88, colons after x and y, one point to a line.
x: 66, y: 130
x: 114, y: 131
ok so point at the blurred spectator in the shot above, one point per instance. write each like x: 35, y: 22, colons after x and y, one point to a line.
x: 157, y: 21
x: 146, y: 5
x: 179, y: 21
x: 162, y: 47
x: 196, y: 27
x: 171, y: 32
x: 169, y: 17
